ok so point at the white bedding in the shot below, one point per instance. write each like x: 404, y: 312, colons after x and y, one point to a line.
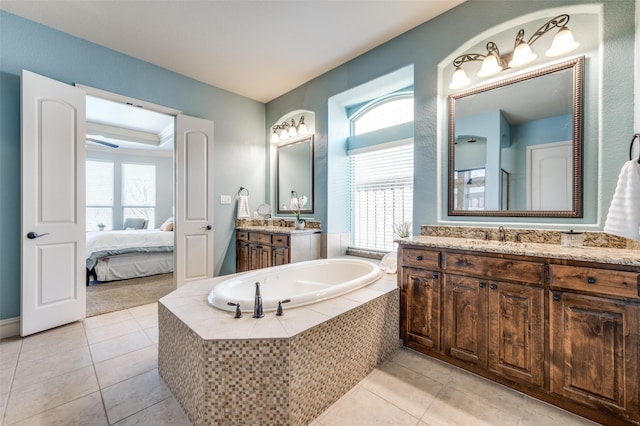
x: 133, y: 265
x: 110, y: 243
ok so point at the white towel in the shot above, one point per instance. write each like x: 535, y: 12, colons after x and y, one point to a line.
x: 623, y: 218
x: 243, y: 207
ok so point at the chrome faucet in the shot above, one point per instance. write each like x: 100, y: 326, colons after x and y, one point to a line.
x: 283, y: 222
x: 257, y: 304
x: 501, y: 235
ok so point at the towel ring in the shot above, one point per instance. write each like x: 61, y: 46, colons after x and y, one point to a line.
x: 242, y: 188
x: 633, y: 139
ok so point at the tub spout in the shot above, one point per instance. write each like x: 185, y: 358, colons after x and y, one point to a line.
x: 257, y: 304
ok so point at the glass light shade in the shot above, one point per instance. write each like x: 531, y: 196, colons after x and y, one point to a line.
x: 284, y: 134
x: 490, y: 66
x: 563, y: 43
x: 302, y: 128
x: 459, y: 79
x: 522, y: 55
x: 292, y: 129
x: 274, y: 137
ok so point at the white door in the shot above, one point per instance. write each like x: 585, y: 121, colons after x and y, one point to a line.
x: 550, y: 176
x: 53, y: 199
x: 193, y: 254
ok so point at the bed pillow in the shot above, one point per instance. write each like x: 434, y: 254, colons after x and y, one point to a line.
x: 167, y: 225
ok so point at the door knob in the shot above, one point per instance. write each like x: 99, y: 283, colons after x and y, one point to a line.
x: 208, y: 227
x: 33, y: 235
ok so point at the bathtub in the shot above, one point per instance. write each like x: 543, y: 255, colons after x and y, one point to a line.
x: 303, y: 283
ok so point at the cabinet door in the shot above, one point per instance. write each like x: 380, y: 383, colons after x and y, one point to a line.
x: 516, y: 332
x: 465, y: 317
x: 260, y: 256
x: 242, y: 256
x: 280, y: 256
x: 594, y: 352
x: 421, y: 313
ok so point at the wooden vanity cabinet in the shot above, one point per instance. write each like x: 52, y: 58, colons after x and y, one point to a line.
x: 257, y: 250
x: 564, y: 331
x: 594, y: 343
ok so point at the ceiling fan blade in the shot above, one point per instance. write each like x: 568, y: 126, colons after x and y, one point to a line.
x: 105, y: 143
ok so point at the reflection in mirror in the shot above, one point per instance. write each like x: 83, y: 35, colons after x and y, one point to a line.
x: 295, y: 173
x: 515, y: 146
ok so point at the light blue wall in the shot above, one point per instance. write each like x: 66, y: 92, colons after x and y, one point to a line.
x: 425, y: 47
x: 239, y: 128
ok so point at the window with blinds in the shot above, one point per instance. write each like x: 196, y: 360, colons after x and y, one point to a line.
x: 99, y: 193
x: 381, y: 195
x: 139, y: 191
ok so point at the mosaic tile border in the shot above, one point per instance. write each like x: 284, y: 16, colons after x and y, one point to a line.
x: 287, y: 381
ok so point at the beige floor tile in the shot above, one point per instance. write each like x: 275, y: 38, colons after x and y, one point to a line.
x: 152, y: 333
x: 144, y: 310
x: 107, y: 319
x: 133, y: 395
x: 119, y: 346
x: 30, y: 400
x: 29, y: 373
x: 125, y: 366
x: 87, y: 410
x: 57, y: 341
x: 454, y: 407
x: 491, y: 393
x: 540, y: 413
x: 9, y: 352
x: 147, y: 321
x: 422, y: 364
x: 402, y: 387
x: 363, y: 408
x: 106, y: 332
x: 167, y: 412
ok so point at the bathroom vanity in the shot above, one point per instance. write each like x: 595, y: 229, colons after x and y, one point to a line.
x: 260, y: 247
x: 560, y: 324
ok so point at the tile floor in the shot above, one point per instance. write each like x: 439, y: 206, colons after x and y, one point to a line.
x: 103, y: 371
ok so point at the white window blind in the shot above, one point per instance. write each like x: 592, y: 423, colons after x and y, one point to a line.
x: 99, y: 193
x: 381, y: 195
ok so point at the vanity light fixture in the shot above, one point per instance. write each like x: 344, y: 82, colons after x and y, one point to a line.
x: 494, y: 62
x: 284, y: 131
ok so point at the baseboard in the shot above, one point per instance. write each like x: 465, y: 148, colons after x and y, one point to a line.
x: 9, y: 327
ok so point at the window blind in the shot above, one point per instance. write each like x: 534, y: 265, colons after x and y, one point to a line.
x: 99, y: 194
x: 381, y: 195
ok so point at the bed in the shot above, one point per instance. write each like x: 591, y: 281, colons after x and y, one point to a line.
x: 120, y: 255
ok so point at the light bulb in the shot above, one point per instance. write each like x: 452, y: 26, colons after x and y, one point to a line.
x: 522, y: 55
x: 563, y: 43
x: 459, y: 79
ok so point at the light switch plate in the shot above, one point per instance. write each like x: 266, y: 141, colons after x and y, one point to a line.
x: 225, y: 199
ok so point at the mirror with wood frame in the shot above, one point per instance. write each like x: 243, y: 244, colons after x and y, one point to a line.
x: 522, y: 135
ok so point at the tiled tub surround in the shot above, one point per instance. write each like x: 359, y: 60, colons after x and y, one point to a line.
x: 275, y: 370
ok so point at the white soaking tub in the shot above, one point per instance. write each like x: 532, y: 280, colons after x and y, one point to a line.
x: 303, y: 283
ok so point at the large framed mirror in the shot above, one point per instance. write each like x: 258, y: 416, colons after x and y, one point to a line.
x: 294, y: 172
x: 515, y: 146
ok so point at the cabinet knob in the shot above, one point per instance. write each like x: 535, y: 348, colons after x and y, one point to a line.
x: 419, y: 257
x: 482, y: 284
x: 436, y: 275
x: 591, y: 280
x: 494, y: 286
x: 556, y: 297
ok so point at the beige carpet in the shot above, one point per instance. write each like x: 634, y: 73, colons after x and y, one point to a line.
x: 117, y: 295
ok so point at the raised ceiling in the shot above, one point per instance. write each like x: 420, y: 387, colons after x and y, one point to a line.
x: 254, y: 48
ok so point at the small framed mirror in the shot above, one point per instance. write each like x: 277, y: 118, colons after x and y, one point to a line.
x: 294, y: 172
x: 515, y: 146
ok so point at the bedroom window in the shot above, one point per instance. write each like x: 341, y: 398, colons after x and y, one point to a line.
x: 139, y: 191
x: 99, y: 194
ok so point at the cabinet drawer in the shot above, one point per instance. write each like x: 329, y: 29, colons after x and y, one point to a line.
x: 259, y: 237
x: 280, y: 240
x: 419, y: 258
x: 242, y: 236
x: 489, y: 267
x: 595, y: 280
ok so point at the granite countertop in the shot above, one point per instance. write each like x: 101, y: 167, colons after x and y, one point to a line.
x: 278, y: 229
x: 614, y: 256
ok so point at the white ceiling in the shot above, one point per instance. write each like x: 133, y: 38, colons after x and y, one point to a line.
x: 260, y: 49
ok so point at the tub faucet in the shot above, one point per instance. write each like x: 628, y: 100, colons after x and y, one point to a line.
x: 501, y: 235
x: 257, y: 304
